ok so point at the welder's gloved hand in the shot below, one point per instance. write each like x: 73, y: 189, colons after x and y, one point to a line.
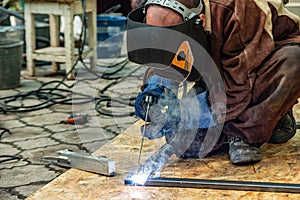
x: 155, y: 87
x: 171, y: 115
x: 165, y: 116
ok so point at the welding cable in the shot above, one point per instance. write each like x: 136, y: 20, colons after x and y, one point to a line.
x: 113, y: 63
x: 53, y: 95
x: 22, y: 108
x: 50, y: 96
x: 115, y: 102
x: 120, y: 79
x: 103, y: 74
x: 56, y: 82
x: 106, y: 74
x: 2, y: 109
x: 49, y: 100
x: 116, y: 81
x: 7, y: 158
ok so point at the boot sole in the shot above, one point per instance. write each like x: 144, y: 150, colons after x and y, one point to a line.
x: 249, y: 158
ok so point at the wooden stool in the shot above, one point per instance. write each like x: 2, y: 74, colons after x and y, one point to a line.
x: 54, y: 53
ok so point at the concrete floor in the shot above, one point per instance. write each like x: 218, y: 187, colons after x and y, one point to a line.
x: 40, y: 133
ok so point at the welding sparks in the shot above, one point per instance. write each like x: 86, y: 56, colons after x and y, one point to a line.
x: 152, y: 165
x: 139, y: 179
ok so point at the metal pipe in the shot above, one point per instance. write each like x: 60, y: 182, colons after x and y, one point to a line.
x: 220, y: 185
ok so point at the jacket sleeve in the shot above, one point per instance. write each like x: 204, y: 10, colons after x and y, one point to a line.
x: 244, y: 34
x: 240, y: 43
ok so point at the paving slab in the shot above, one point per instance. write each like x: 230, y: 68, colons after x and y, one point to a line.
x: 8, y: 149
x: 67, y: 137
x: 33, y: 155
x: 35, y: 143
x: 94, y: 134
x: 10, y: 124
x: 18, y: 176
x: 21, y: 134
x: 45, y: 119
x: 4, y: 195
x: 58, y: 127
x: 26, y: 189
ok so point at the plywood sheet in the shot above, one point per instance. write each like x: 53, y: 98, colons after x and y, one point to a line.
x: 281, y: 163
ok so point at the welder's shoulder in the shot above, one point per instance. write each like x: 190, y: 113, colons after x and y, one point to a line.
x: 229, y: 4
x: 237, y: 4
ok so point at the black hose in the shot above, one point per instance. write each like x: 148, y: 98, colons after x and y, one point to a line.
x: 6, y: 158
x: 9, y: 12
x: 50, y: 96
x: 3, y: 130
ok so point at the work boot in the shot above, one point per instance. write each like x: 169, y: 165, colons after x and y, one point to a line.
x: 285, y: 129
x: 242, y: 153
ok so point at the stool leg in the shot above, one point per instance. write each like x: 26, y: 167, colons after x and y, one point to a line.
x: 54, y: 36
x: 92, y: 38
x: 69, y: 41
x: 30, y: 39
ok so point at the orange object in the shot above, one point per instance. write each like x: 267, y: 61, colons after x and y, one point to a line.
x: 77, y: 119
x: 184, y: 58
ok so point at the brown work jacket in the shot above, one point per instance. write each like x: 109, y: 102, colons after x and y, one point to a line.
x: 243, y: 34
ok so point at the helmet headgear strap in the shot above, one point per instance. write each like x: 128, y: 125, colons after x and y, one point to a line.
x: 186, y: 13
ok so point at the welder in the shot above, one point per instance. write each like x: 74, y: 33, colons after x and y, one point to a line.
x: 255, y: 46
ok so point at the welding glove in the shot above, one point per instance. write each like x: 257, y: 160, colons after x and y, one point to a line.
x: 164, y: 116
x: 171, y: 115
x: 154, y: 87
x: 168, y: 114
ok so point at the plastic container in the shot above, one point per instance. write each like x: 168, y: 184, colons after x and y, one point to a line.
x: 11, y: 49
x: 110, y: 35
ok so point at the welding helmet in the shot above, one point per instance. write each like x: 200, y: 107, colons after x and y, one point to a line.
x: 175, y: 52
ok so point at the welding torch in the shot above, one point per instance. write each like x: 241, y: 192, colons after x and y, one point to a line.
x: 148, y: 102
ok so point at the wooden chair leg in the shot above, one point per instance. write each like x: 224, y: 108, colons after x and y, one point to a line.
x: 30, y: 40
x: 54, y: 36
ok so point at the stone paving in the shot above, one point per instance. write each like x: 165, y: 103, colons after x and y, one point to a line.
x: 39, y: 133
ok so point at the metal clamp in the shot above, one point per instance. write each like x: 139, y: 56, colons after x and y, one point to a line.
x: 86, y: 162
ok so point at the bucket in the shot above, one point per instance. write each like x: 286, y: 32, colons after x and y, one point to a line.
x: 110, y: 35
x: 10, y: 63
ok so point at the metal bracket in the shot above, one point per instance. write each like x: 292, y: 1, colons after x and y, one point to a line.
x: 86, y: 162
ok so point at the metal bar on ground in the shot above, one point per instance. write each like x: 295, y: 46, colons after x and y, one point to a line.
x: 220, y: 185
x: 298, y: 125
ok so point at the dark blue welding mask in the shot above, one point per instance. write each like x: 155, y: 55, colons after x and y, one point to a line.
x: 177, y: 52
